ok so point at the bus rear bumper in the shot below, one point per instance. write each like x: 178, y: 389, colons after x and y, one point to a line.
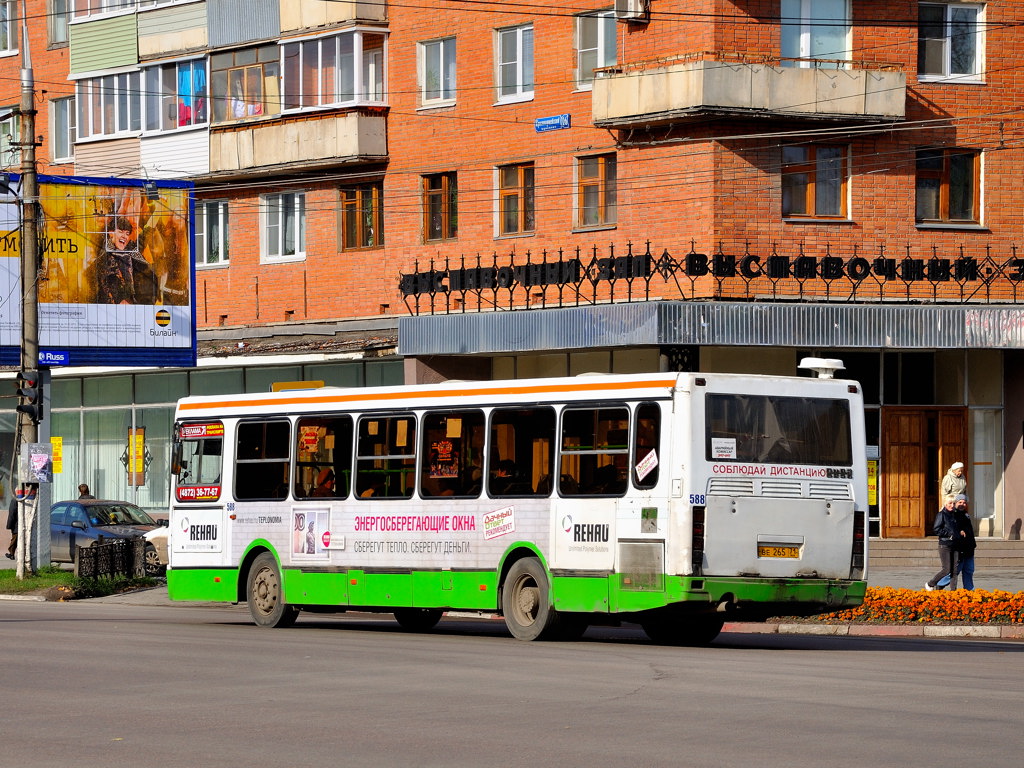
x: 757, y: 599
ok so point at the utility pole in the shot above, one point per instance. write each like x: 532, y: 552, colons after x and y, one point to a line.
x: 29, y: 521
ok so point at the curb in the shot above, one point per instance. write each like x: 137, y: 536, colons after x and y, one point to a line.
x: 25, y: 598
x: 994, y: 632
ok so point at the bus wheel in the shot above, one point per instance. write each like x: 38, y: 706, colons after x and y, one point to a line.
x: 265, y: 597
x: 681, y: 630
x: 418, y: 619
x: 526, y: 602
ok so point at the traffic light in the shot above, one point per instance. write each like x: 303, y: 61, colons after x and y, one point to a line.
x: 30, y: 390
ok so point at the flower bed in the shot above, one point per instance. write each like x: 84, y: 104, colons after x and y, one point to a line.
x: 886, y: 605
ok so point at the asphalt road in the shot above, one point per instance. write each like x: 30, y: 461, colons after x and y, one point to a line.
x: 97, y: 685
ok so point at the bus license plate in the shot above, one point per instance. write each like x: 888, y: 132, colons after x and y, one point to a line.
x: 775, y: 551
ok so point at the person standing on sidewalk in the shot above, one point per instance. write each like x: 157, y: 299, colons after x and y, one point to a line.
x: 945, y: 528
x: 12, y: 526
x: 83, y: 492
x: 954, y: 483
x: 966, y: 544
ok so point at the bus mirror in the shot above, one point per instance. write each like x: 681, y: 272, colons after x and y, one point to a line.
x: 176, y: 463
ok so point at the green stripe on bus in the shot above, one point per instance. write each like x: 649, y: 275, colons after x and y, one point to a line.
x: 213, y: 584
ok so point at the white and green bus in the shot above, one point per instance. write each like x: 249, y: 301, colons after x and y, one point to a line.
x: 675, y: 501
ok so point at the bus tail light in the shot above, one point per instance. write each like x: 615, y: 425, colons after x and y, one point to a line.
x: 697, y: 546
x: 857, y: 562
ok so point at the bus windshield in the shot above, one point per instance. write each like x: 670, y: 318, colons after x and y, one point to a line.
x: 778, y: 430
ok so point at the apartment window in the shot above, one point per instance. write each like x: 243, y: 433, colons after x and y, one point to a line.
x: 285, y: 225
x: 10, y: 151
x: 516, y: 199
x: 9, y: 21
x: 515, y: 63
x: 440, y: 206
x: 86, y: 8
x: 245, y: 83
x: 437, y: 63
x: 333, y: 70
x: 596, y: 190
x: 595, y: 45
x: 947, y: 186
x: 362, y: 216
x: 949, y: 41
x: 59, y: 14
x: 62, y: 136
x: 211, y: 232
x: 110, y: 105
x: 814, y: 181
x: 176, y: 95
x: 817, y: 32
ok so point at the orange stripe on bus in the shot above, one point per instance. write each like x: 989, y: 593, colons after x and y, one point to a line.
x: 363, y: 396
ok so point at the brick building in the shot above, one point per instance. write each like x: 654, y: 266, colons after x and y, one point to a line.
x: 509, y: 191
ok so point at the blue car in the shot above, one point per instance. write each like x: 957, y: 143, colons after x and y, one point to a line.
x: 80, y: 523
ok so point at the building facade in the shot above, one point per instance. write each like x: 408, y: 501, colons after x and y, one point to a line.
x: 528, y: 190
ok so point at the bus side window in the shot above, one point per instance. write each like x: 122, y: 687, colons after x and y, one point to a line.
x: 323, y: 451
x: 646, y: 445
x: 520, y: 454
x: 386, y: 457
x: 452, y: 450
x: 262, y: 457
x: 594, y: 451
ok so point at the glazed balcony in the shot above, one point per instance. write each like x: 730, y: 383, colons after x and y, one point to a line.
x: 720, y: 84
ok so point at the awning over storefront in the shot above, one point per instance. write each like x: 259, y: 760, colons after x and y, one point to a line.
x: 715, y: 323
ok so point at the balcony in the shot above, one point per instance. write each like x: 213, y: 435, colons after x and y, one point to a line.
x: 704, y: 84
x: 306, y: 143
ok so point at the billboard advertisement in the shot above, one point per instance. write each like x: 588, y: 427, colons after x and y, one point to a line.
x: 116, y: 273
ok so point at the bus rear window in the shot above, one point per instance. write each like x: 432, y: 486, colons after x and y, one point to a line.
x: 778, y: 430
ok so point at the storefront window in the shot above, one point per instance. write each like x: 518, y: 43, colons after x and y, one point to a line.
x: 161, y: 387
x: 107, y: 390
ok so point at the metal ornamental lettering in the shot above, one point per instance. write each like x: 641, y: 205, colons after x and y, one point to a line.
x: 581, y: 277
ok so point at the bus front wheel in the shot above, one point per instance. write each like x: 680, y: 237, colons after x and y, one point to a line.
x: 265, y: 596
x: 526, y: 601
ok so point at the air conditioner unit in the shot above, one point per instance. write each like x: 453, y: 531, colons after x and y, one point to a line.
x: 635, y: 11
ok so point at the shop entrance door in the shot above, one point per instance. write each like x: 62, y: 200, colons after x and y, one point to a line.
x: 918, y: 445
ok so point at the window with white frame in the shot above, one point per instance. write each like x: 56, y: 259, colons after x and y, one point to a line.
x: 284, y: 225
x: 85, y: 8
x: 816, y: 33
x: 949, y: 41
x: 595, y: 45
x: 59, y: 14
x: 110, y: 105
x: 62, y: 135
x: 10, y: 151
x: 211, y: 232
x: 9, y: 21
x: 437, y: 71
x: 176, y: 95
x: 340, y: 69
x: 515, y: 63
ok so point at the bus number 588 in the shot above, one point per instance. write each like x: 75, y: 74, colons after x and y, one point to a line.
x: 697, y: 498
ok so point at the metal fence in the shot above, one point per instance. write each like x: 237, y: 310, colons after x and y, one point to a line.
x: 112, y: 557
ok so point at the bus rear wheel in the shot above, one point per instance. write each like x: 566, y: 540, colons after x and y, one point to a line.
x: 265, y: 596
x: 526, y: 601
x: 683, y: 630
x: 418, y: 619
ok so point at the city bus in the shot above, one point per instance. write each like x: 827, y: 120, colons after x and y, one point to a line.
x: 674, y: 501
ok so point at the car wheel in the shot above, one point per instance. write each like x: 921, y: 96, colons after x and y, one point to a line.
x: 265, y: 595
x: 152, y: 564
x: 418, y: 619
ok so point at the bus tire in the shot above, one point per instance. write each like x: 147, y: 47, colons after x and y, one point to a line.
x: 526, y: 601
x: 683, y: 630
x: 265, y: 595
x: 418, y: 619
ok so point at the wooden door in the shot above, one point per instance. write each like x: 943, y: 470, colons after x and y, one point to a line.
x: 903, y: 476
x: 918, y: 445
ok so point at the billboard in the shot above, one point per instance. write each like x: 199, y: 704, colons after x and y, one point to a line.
x: 116, y: 280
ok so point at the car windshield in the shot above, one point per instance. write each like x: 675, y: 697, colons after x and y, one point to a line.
x: 118, y: 514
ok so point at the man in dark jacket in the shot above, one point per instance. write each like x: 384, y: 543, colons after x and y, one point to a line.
x: 945, y: 528
x: 12, y: 526
x: 966, y: 544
